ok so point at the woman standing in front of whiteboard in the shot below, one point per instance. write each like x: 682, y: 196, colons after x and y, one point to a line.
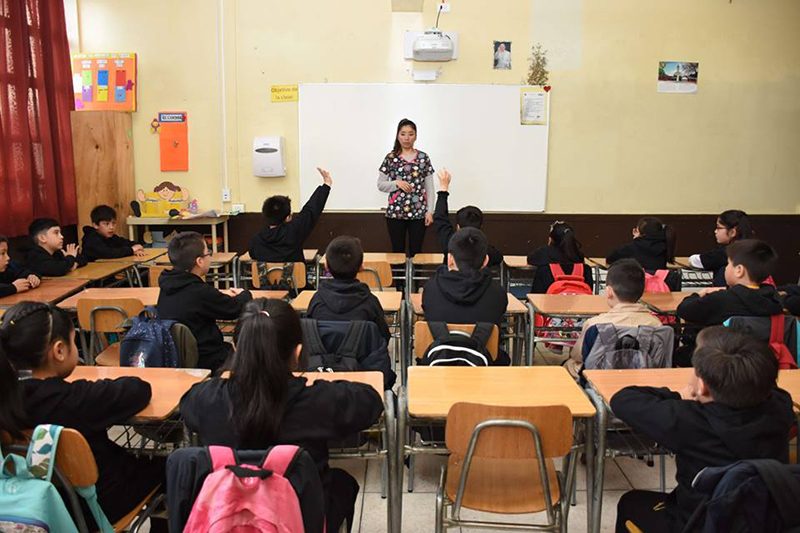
x: 406, y: 174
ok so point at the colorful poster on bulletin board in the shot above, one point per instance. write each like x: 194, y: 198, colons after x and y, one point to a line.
x: 104, y: 82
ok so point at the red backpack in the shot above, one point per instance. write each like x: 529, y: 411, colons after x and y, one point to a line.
x: 776, y: 342
x: 563, y: 284
x: 568, y: 283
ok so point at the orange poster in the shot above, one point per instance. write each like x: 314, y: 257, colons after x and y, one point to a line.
x: 104, y: 82
x: 173, y: 141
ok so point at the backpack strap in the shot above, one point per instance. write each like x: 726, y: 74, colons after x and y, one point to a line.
x: 577, y: 270
x: 661, y: 275
x: 90, y: 495
x: 482, y: 332
x: 41, y: 456
x: 439, y: 330
x: 351, y: 343
x: 311, y: 339
x: 221, y: 456
x: 280, y: 458
x: 778, y: 343
x: 783, y: 486
x: 556, y: 271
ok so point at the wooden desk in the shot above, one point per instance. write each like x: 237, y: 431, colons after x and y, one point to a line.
x: 682, y: 262
x: 583, y: 305
x: 49, y: 291
x: 517, y: 261
x: 133, y: 222
x: 150, y: 254
x: 309, y: 255
x: 514, y: 307
x: 97, y: 271
x: 147, y: 295
x: 664, y: 302
x: 168, y: 384
x: 217, y: 259
x: 598, y: 262
x: 376, y: 257
x: 390, y: 300
x: 428, y: 259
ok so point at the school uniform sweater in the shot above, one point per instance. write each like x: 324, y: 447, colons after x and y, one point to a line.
x: 542, y: 258
x: 194, y: 303
x: 445, y: 230
x: 702, y: 435
x: 43, y: 263
x: 739, y: 300
x: 464, y: 297
x: 12, y: 273
x: 650, y: 252
x: 284, y: 242
x: 91, y: 407
x: 347, y: 299
x: 94, y: 246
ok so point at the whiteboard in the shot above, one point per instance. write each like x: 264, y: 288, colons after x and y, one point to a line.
x: 472, y: 130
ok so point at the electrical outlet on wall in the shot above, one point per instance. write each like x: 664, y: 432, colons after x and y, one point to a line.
x: 237, y: 208
x: 226, y: 194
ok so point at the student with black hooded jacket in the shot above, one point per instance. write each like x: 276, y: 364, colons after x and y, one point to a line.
x: 263, y: 403
x: 653, y: 245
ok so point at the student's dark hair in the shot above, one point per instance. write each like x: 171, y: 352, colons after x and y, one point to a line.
x: 738, y: 369
x: 626, y: 277
x: 758, y: 257
x: 469, y: 217
x: 404, y: 122
x: 266, y: 337
x: 469, y: 248
x: 184, y: 248
x: 3, y: 239
x: 654, y: 228
x: 103, y: 213
x: 276, y: 209
x: 41, y: 225
x: 564, y: 239
x: 736, y: 219
x: 344, y: 257
x: 27, y: 332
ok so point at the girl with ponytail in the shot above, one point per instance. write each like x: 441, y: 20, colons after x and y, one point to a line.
x: 562, y: 248
x: 732, y: 225
x: 37, y: 354
x: 263, y: 403
x: 653, y: 245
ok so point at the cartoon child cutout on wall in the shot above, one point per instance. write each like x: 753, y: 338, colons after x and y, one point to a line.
x: 165, y: 197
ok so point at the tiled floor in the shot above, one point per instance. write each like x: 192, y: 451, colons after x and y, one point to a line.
x: 621, y: 475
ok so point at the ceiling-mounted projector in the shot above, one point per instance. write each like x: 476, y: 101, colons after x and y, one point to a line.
x: 433, y: 45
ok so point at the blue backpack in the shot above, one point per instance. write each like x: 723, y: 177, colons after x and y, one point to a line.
x: 29, y: 501
x: 149, y: 343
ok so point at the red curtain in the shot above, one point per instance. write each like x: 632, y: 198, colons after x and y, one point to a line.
x: 37, y: 176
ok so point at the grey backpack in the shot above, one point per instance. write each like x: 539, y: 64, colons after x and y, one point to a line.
x: 607, y: 346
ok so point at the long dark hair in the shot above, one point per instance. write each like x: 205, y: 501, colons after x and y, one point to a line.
x: 405, y: 122
x: 563, y: 237
x: 654, y: 228
x: 736, y: 219
x: 266, y: 337
x: 27, y: 332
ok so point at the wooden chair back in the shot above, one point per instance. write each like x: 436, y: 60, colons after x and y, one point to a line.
x: 74, y: 457
x: 154, y: 272
x: 423, y: 337
x: 274, y: 273
x: 109, y: 313
x: 554, y: 423
x: 376, y: 274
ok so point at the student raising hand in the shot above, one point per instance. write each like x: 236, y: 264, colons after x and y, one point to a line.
x: 326, y: 176
x: 444, y: 180
x: 71, y: 249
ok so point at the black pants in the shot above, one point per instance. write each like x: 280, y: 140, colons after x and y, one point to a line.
x: 342, y: 491
x: 645, y: 509
x: 397, y: 234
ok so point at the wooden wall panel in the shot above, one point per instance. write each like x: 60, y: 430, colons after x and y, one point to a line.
x: 103, y: 148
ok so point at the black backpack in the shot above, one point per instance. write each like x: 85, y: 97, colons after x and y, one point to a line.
x: 457, y: 348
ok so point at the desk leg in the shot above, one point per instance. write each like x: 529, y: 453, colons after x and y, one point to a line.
x: 235, y: 266
x: 225, y: 236
x: 213, y: 238
x: 393, y: 486
x: 596, y: 507
x: 402, y: 435
x: 409, y: 278
x: 131, y: 232
x: 404, y: 342
x: 530, y: 344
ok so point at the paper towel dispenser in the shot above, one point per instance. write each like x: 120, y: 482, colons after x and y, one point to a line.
x: 268, y: 157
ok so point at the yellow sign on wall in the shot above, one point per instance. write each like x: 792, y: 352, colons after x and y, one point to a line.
x: 283, y: 93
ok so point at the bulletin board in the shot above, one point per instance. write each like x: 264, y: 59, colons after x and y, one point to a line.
x: 104, y: 81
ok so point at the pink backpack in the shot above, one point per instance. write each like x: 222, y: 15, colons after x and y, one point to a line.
x: 563, y: 284
x: 568, y: 283
x: 656, y: 282
x: 245, y: 498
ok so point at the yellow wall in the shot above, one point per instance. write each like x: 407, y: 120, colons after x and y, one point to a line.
x: 616, y: 146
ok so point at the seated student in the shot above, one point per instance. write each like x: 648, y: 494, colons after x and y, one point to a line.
x: 47, y: 257
x: 653, y: 245
x: 344, y: 297
x: 186, y: 297
x: 562, y: 248
x: 99, y: 240
x: 263, y: 404
x: 13, y: 277
x: 282, y: 239
x: 466, y: 217
x: 732, y: 225
x: 624, y: 288
x: 731, y: 410
x: 463, y: 291
x: 791, y: 298
x: 37, y: 353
